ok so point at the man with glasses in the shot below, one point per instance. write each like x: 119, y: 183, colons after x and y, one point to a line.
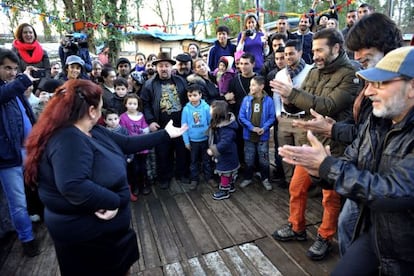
x: 15, y: 124
x: 370, y: 39
x: 376, y: 171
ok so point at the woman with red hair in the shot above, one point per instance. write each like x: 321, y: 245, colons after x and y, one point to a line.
x: 79, y: 168
x: 28, y: 49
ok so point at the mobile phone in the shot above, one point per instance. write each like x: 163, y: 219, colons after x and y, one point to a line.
x: 39, y: 73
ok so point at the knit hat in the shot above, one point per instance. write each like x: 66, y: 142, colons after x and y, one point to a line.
x: 122, y: 60
x: 397, y: 63
x: 224, y: 60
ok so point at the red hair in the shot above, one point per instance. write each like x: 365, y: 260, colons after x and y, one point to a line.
x: 69, y: 104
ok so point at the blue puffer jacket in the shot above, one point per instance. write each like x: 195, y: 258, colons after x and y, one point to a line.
x: 267, y: 119
x: 222, y: 142
x: 11, y: 122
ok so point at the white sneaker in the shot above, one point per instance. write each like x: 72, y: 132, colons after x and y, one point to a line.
x: 245, y: 183
x: 35, y: 218
x: 268, y: 186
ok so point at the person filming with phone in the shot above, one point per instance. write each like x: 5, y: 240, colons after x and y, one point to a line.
x: 15, y: 125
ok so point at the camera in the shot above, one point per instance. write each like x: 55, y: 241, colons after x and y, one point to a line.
x: 40, y: 73
x: 249, y: 32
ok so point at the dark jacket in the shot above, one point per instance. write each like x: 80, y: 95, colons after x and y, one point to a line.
x: 222, y: 142
x: 329, y: 91
x: 151, y: 96
x: 208, y: 87
x: 217, y: 51
x: 11, y: 122
x: 94, y: 179
x: 377, y: 172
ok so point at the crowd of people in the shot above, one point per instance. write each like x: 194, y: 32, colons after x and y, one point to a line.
x: 88, y: 137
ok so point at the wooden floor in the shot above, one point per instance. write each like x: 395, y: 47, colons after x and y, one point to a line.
x: 188, y: 233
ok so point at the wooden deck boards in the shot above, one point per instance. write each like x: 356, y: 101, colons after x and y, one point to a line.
x: 183, y: 232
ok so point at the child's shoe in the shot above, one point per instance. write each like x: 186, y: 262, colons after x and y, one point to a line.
x: 221, y: 194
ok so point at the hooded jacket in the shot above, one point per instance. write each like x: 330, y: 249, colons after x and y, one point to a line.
x: 198, y: 119
x: 222, y: 142
x: 267, y: 119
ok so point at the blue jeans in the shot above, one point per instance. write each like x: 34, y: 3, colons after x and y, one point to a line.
x: 199, y: 153
x: 346, y: 224
x: 360, y: 258
x: 13, y: 188
x: 261, y: 149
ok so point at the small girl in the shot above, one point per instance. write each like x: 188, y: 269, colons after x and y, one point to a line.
x: 134, y: 121
x: 224, y: 74
x: 223, y: 148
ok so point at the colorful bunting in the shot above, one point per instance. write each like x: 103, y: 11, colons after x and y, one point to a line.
x: 6, y: 7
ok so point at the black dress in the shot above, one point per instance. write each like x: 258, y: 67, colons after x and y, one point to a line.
x: 79, y: 175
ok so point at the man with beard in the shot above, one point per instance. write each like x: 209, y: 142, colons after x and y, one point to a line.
x: 183, y: 66
x: 376, y: 171
x: 304, y: 35
x: 371, y: 38
x: 164, y: 97
x: 149, y: 70
x: 351, y: 19
x: 329, y: 88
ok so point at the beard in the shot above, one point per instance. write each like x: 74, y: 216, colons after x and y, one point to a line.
x: 150, y: 71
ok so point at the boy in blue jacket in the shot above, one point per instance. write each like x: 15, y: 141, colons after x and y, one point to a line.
x: 257, y: 115
x: 196, y: 114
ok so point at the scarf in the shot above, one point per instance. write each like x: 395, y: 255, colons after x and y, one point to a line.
x: 294, y: 72
x: 24, y: 48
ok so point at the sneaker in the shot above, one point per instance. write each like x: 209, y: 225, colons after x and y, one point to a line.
x: 286, y: 233
x: 31, y: 249
x: 232, y: 188
x: 319, y: 249
x: 221, y: 194
x: 267, y: 185
x: 193, y: 185
x: 245, y: 183
x: 35, y: 218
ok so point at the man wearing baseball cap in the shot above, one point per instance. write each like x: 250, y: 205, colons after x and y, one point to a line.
x: 376, y: 171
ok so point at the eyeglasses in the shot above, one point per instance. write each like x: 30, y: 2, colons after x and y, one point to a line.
x: 378, y: 84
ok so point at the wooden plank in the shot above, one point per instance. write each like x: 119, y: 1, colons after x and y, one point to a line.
x: 196, y: 267
x: 216, y: 265
x: 223, y: 239
x: 259, y: 260
x: 182, y: 230
x: 149, y: 256
x: 200, y: 229
x: 277, y: 255
x: 235, y: 222
x: 240, y: 265
x: 48, y: 264
x: 165, y: 239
